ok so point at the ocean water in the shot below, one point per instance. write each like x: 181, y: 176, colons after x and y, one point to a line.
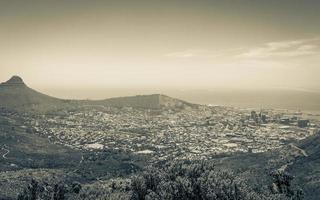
x: 258, y: 99
x: 274, y: 99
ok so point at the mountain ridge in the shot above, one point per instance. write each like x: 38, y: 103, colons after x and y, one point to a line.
x: 15, y: 94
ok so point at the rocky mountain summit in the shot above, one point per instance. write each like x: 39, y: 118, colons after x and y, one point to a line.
x: 14, y: 81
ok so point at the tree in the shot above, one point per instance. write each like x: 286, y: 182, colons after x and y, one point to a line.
x: 30, y: 193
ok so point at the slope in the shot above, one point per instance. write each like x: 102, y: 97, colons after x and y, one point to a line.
x: 16, y: 95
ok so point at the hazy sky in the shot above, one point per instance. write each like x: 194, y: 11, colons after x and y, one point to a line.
x: 161, y: 43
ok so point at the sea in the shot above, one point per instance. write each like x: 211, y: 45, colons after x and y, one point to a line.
x: 295, y: 100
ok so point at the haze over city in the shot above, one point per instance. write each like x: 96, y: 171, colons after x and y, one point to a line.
x: 160, y: 45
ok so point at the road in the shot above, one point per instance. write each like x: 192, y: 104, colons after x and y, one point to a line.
x: 7, y: 151
x: 303, y: 152
x: 283, y: 168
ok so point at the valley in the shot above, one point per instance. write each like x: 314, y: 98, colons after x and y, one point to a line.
x: 97, y: 144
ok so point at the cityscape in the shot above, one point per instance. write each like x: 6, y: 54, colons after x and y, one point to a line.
x: 159, y: 100
x: 188, y: 134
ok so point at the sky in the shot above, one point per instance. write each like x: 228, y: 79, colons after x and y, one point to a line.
x: 154, y: 44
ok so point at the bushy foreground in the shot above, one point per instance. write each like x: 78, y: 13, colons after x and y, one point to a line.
x: 196, y: 180
x: 202, y: 181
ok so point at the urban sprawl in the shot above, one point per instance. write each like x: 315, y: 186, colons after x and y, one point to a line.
x: 189, y: 133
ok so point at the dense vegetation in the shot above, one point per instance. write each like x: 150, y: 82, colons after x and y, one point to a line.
x: 196, y: 180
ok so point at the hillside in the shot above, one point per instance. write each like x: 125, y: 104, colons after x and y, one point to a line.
x: 26, y: 154
x: 16, y: 95
x: 307, y: 169
x: 301, y: 161
x: 153, y: 101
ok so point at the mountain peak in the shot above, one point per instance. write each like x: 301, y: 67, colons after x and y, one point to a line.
x: 14, y: 80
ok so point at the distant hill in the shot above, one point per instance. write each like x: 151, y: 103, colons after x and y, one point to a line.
x: 15, y: 94
x: 153, y: 101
